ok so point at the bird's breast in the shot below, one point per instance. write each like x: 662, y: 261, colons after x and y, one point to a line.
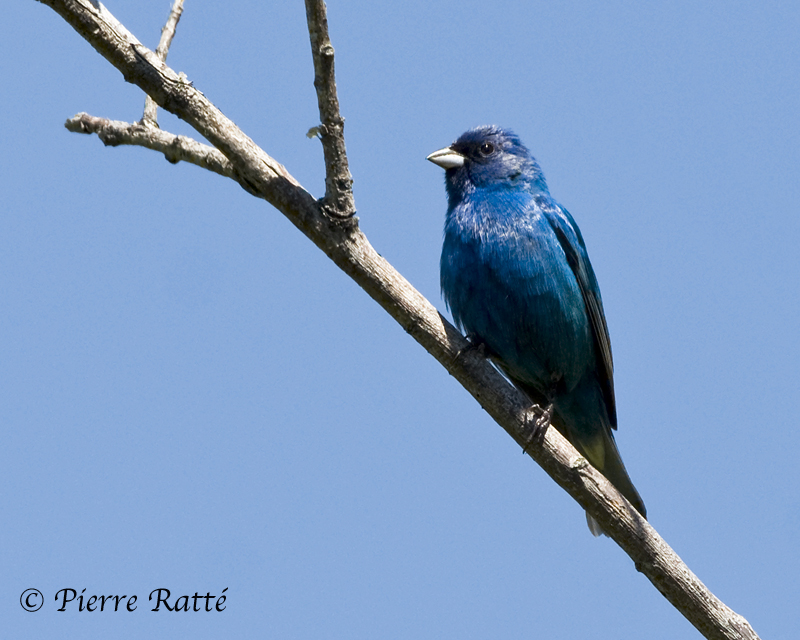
x: 510, y: 285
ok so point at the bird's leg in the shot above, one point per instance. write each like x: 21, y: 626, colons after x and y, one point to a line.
x: 535, y: 429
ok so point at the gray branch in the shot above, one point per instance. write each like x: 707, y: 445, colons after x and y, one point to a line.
x: 338, y: 199
x: 175, y: 148
x: 341, y: 240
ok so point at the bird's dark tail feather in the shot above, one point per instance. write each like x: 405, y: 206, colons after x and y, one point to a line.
x: 601, y: 451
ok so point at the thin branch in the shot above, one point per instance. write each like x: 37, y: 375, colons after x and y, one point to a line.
x: 338, y: 199
x: 150, y: 116
x: 168, y: 32
x: 344, y: 243
x: 175, y: 148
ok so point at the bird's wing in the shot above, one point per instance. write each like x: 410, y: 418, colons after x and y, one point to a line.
x: 571, y: 241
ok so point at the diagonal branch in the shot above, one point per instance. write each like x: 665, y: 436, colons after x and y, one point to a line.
x: 347, y: 246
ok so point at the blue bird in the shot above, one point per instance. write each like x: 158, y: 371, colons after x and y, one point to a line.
x: 517, y: 278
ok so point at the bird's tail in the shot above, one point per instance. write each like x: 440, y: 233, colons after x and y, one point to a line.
x: 595, y: 442
x: 601, y: 451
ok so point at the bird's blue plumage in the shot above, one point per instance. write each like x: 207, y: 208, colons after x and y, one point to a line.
x: 516, y: 275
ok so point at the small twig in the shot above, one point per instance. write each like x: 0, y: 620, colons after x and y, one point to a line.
x: 150, y: 116
x: 175, y: 148
x: 338, y: 201
x: 168, y: 32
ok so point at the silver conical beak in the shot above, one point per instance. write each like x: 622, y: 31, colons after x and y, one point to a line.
x: 447, y: 158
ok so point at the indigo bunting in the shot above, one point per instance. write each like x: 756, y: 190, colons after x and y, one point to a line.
x: 517, y: 278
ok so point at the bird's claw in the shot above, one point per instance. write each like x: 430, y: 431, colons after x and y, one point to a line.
x: 534, y: 429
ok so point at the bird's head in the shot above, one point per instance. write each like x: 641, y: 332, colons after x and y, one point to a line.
x: 488, y: 157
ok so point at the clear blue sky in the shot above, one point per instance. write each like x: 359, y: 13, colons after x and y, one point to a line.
x: 193, y: 397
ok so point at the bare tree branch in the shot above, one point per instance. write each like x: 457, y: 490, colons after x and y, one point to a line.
x: 150, y: 116
x: 175, y: 148
x: 341, y: 239
x: 338, y: 181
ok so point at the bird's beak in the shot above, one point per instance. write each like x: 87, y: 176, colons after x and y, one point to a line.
x: 447, y: 158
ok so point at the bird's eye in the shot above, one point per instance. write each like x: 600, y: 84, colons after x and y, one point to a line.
x: 486, y: 149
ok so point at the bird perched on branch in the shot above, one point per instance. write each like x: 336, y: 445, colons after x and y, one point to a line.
x: 517, y: 278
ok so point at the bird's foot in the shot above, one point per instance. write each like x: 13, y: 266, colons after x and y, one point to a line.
x: 475, y: 344
x: 537, y: 420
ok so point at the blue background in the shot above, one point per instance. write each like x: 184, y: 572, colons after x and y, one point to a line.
x: 193, y: 397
